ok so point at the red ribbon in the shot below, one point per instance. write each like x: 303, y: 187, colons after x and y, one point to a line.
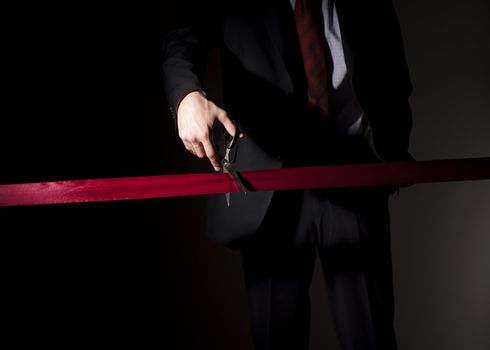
x: 333, y: 176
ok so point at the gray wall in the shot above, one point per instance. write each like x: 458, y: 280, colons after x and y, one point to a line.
x: 441, y: 232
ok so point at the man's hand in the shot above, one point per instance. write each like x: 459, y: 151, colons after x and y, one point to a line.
x: 196, y: 116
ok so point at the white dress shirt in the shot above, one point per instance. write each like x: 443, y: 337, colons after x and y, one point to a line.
x: 344, y: 107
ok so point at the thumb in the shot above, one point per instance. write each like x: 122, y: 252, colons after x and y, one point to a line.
x: 227, y: 122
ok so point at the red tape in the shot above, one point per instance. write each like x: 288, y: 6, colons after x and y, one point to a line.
x: 333, y: 176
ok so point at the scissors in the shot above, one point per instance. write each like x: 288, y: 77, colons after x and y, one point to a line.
x: 226, y: 164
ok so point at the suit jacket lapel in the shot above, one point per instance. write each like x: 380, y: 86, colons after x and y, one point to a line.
x: 278, y: 18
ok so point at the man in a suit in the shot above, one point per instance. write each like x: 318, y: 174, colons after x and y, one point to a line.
x: 307, y: 82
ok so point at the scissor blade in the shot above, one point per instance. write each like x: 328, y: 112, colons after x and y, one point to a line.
x: 237, y: 180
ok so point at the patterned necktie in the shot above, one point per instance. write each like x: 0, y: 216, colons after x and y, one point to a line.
x: 314, y: 51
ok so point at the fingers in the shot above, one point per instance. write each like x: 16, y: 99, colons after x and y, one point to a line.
x: 227, y: 122
x: 198, y: 150
x: 211, y: 154
x: 204, y: 149
x: 193, y: 144
x: 196, y: 118
x: 190, y: 147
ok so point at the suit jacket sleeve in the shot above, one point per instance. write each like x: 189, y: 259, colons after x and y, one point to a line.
x: 184, y: 51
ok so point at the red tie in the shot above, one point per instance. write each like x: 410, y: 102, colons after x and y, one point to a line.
x: 314, y: 50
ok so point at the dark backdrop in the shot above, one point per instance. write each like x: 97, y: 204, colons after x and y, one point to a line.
x: 82, y: 98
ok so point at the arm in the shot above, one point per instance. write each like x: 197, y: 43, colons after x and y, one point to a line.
x: 184, y: 54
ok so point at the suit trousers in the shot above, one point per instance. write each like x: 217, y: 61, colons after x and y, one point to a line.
x: 349, y: 230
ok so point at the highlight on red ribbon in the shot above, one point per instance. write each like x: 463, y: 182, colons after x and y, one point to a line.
x: 329, y: 176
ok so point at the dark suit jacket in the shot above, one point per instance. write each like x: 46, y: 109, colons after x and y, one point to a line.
x: 264, y: 89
